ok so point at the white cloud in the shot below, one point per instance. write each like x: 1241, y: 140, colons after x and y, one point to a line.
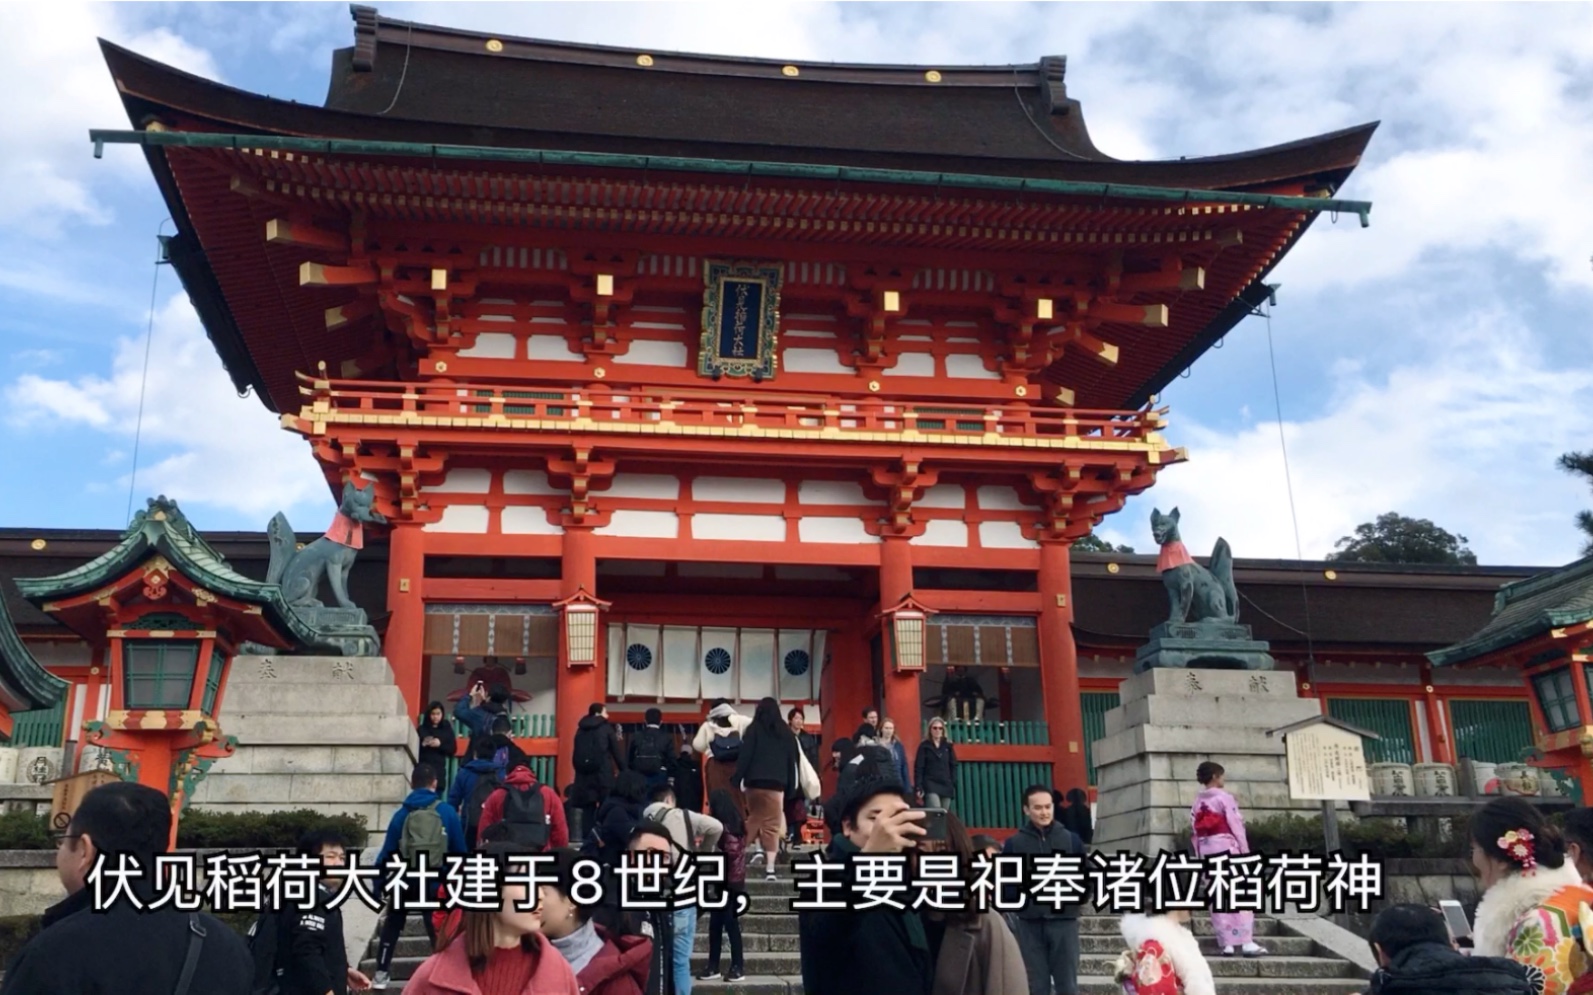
x: 57, y: 89
x: 1467, y: 439
x: 201, y: 443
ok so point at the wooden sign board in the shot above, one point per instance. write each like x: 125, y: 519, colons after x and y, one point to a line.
x: 69, y: 792
x: 1326, y: 764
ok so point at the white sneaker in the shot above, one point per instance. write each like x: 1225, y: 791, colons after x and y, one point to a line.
x: 1252, y: 950
x: 380, y: 982
x: 755, y: 858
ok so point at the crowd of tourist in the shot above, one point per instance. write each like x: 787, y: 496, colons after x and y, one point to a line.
x: 560, y: 937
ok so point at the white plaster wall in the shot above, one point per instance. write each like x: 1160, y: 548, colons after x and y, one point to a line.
x: 642, y: 525
x: 463, y: 480
x: 528, y: 482
x: 550, y: 347
x: 492, y: 345
x: 744, y: 490
x: 912, y: 364
x: 1000, y: 499
x: 644, y: 485
x: 747, y: 528
x: 944, y: 496
x: 967, y: 366
x: 527, y: 520
x: 812, y: 361
x: 830, y: 492
x: 470, y: 518
x: 654, y: 352
x: 943, y: 532
x: 1003, y: 535
x: 849, y: 530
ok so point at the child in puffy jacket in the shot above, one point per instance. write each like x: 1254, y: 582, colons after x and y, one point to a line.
x: 1163, y: 957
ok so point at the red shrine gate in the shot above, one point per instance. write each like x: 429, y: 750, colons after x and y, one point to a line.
x: 842, y: 376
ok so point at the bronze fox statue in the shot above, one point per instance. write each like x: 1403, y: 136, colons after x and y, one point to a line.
x: 299, y: 571
x: 1195, y: 593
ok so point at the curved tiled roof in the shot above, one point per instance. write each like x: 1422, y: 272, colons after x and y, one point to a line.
x: 1529, y: 608
x: 24, y: 683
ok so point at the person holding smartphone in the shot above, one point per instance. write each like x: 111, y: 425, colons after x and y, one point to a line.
x: 1416, y: 955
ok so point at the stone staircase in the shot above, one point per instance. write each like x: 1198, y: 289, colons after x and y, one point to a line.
x: 1296, y: 965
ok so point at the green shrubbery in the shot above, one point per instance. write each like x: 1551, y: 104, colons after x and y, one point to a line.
x: 205, y: 830
x: 1378, y: 838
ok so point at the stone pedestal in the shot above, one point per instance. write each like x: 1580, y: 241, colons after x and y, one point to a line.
x: 1204, y: 646
x: 330, y: 734
x: 1168, y: 723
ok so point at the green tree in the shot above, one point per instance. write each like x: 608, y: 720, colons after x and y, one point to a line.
x: 1393, y: 538
x: 1581, y: 464
x: 1093, y: 543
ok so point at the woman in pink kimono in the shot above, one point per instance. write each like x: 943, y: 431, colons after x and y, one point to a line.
x: 1219, y: 828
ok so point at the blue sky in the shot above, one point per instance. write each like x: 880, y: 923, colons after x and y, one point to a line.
x: 1434, y: 364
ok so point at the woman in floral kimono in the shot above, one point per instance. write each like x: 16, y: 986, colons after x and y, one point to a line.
x: 1532, y: 896
x: 1217, y: 827
x: 1163, y: 957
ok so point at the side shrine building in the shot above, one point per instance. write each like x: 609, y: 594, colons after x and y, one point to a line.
x: 681, y: 376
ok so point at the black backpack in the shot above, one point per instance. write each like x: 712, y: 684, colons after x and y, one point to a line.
x: 589, y: 752
x: 263, y: 941
x: 525, y: 813
x: 651, y: 747
x: 485, y: 785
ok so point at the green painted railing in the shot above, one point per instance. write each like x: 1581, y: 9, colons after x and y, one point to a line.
x: 39, y: 727
x: 542, y: 767
x: 1389, y: 718
x: 1095, y: 705
x: 521, y: 726
x: 996, y: 733
x: 990, y: 794
x: 1491, y: 731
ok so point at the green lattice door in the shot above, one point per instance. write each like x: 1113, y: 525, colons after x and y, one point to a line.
x: 1495, y: 732
x: 1095, y: 705
x: 1389, y: 718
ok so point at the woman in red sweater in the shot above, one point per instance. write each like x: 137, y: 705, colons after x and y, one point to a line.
x: 497, y: 953
x: 605, y: 960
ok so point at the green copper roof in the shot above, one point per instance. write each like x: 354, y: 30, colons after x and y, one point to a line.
x: 1528, y: 608
x: 24, y: 683
x: 162, y: 528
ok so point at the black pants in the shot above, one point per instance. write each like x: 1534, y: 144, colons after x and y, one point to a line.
x: 393, y: 928
x: 724, y: 919
x: 1050, y: 950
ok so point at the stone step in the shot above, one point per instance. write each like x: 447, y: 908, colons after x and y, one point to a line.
x: 1088, y: 985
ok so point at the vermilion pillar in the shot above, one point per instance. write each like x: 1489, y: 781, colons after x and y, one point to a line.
x: 576, y: 687
x: 1443, y: 749
x: 404, y: 644
x: 902, y: 699
x: 1059, y: 668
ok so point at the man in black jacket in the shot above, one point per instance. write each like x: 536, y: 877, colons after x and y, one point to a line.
x: 126, y: 948
x: 598, y: 760
x: 881, y: 949
x: 1048, y: 936
x: 311, y: 946
x: 1417, y: 957
x: 650, y: 750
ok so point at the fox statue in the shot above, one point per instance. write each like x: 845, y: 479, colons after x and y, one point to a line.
x: 299, y: 571
x: 1196, y: 593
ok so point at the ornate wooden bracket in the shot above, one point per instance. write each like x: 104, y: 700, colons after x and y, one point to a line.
x: 903, y: 485
x: 876, y: 298
x: 578, y: 473
x: 599, y: 284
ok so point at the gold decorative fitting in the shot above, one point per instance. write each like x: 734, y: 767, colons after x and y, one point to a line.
x: 441, y: 367
x: 873, y: 385
x: 605, y: 285
x: 1021, y: 390
x: 644, y: 60
x: 1112, y: 568
x: 891, y: 300
x: 1331, y: 574
x: 1306, y: 686
x: 600, y: 373
x: 94, y: 671
x: 1428, y: 689
x: 494, y: 45
x: 933, y: 75
x: 38, y: 544
x: 791, y: 71
x: 1044, y: 309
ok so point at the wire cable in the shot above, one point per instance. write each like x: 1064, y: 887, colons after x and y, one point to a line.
x: 1288, y: 481
x: 143, y: 383
x: 403, y: 74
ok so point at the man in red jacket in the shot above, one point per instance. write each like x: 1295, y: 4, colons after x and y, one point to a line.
x: 532, y: 812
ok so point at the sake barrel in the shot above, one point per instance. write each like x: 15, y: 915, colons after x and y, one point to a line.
x: 93, y: 758
x: 8, y: 764
x: 1483, y: 774
x: 1392, y: 780
x: 1434, y: 780
x: 1517, y: 779
x: 1548, y: 787
x: 38, y: 764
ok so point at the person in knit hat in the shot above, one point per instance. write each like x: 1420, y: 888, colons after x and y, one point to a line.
x: 880, y: 949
